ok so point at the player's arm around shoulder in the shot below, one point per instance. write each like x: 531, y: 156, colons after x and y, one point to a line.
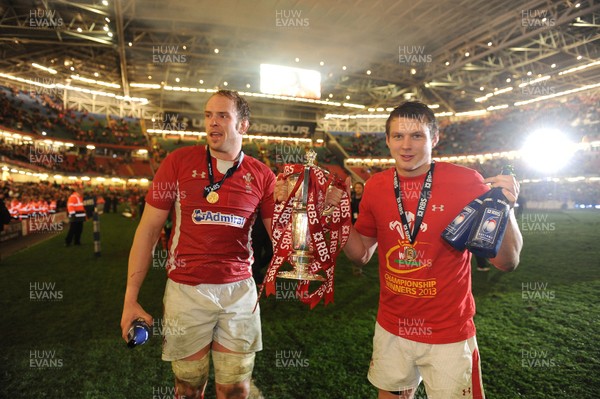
x: 146, y: 235
x: 508, y: 256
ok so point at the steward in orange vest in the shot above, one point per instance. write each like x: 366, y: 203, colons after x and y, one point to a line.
x: 77, y: 216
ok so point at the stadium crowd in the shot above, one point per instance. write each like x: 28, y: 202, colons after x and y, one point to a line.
x: 101, y: 161
x: 31, y: 200
x: 568, y: 194
x: 503, y: 130
x: 36, y: 112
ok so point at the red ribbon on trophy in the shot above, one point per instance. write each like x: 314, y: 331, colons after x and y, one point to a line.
x: 307, y: 235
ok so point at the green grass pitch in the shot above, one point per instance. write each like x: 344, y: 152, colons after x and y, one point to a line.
x: 537, y: 327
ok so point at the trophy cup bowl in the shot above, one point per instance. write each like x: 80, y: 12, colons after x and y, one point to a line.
x: 301, y: 257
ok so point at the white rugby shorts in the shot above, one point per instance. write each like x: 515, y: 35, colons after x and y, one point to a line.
x: 195, y: 316
x: 448, y: 371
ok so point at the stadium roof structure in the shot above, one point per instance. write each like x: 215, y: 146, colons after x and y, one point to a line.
x: 369, y: 52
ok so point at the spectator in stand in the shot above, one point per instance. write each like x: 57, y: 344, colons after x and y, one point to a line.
x: 24, y: 209
x: 34, y: 208
x: 14, y: 209
x: 52, y: 206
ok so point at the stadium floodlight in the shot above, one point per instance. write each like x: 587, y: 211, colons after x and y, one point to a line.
x: 548, y: 150
x: 477, y: 112
x: 49, y: 70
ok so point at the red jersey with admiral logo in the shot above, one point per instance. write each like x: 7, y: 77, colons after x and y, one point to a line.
x: 210, y: 243
x: 425, y: 288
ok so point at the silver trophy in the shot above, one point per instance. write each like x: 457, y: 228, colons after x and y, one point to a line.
x: 302, y: 252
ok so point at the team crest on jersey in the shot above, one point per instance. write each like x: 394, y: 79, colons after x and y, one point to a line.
x: 208, y: 217
x: 405, y: 257
x: 248, y: 179
x: 396, y: 225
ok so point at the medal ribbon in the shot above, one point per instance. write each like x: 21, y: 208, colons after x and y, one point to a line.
x: 212, y: 186
x: 423, y: 200
x: 325, y: 250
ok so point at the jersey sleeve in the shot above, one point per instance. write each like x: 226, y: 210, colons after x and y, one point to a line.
x: 365, y: 224
x: 163, y: 191
x: 477, y: 186
x: 267, y: 203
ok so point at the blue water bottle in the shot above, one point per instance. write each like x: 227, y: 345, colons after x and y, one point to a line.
x: 457, y: 232
x: 138, y: 334
x: 490, y: 223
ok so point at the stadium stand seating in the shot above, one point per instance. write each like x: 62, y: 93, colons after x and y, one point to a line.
x: 116, y: 139
x: 31, y: 112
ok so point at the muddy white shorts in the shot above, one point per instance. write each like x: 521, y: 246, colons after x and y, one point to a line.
x: 448, y: 371
x: 195, y: 316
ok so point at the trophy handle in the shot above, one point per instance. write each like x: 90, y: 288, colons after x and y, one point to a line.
x: 328, y: 211
x: 329, y: 208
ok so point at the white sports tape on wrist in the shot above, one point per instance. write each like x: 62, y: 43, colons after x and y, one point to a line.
x: 231, y: 368
x: 194, y: 372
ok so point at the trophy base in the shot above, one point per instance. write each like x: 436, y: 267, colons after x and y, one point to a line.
x: 300, y: 275
x: 300, y: 261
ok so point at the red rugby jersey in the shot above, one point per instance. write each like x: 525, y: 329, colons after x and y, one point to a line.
x: 427, y: 298
x: 210, y: 243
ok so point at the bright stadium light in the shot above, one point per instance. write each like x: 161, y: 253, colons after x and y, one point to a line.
x: 548, y: 150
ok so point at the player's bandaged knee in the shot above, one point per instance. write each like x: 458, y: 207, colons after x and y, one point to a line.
x: 231, y: 368
x: 194, y: 372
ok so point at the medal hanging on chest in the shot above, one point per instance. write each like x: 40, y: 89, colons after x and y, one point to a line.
x: 212, y: 197
x: 410, y: 253
x: 210, y: 191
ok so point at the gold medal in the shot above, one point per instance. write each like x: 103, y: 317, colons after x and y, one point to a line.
x: 212, y: 197
x: 410, y: 254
